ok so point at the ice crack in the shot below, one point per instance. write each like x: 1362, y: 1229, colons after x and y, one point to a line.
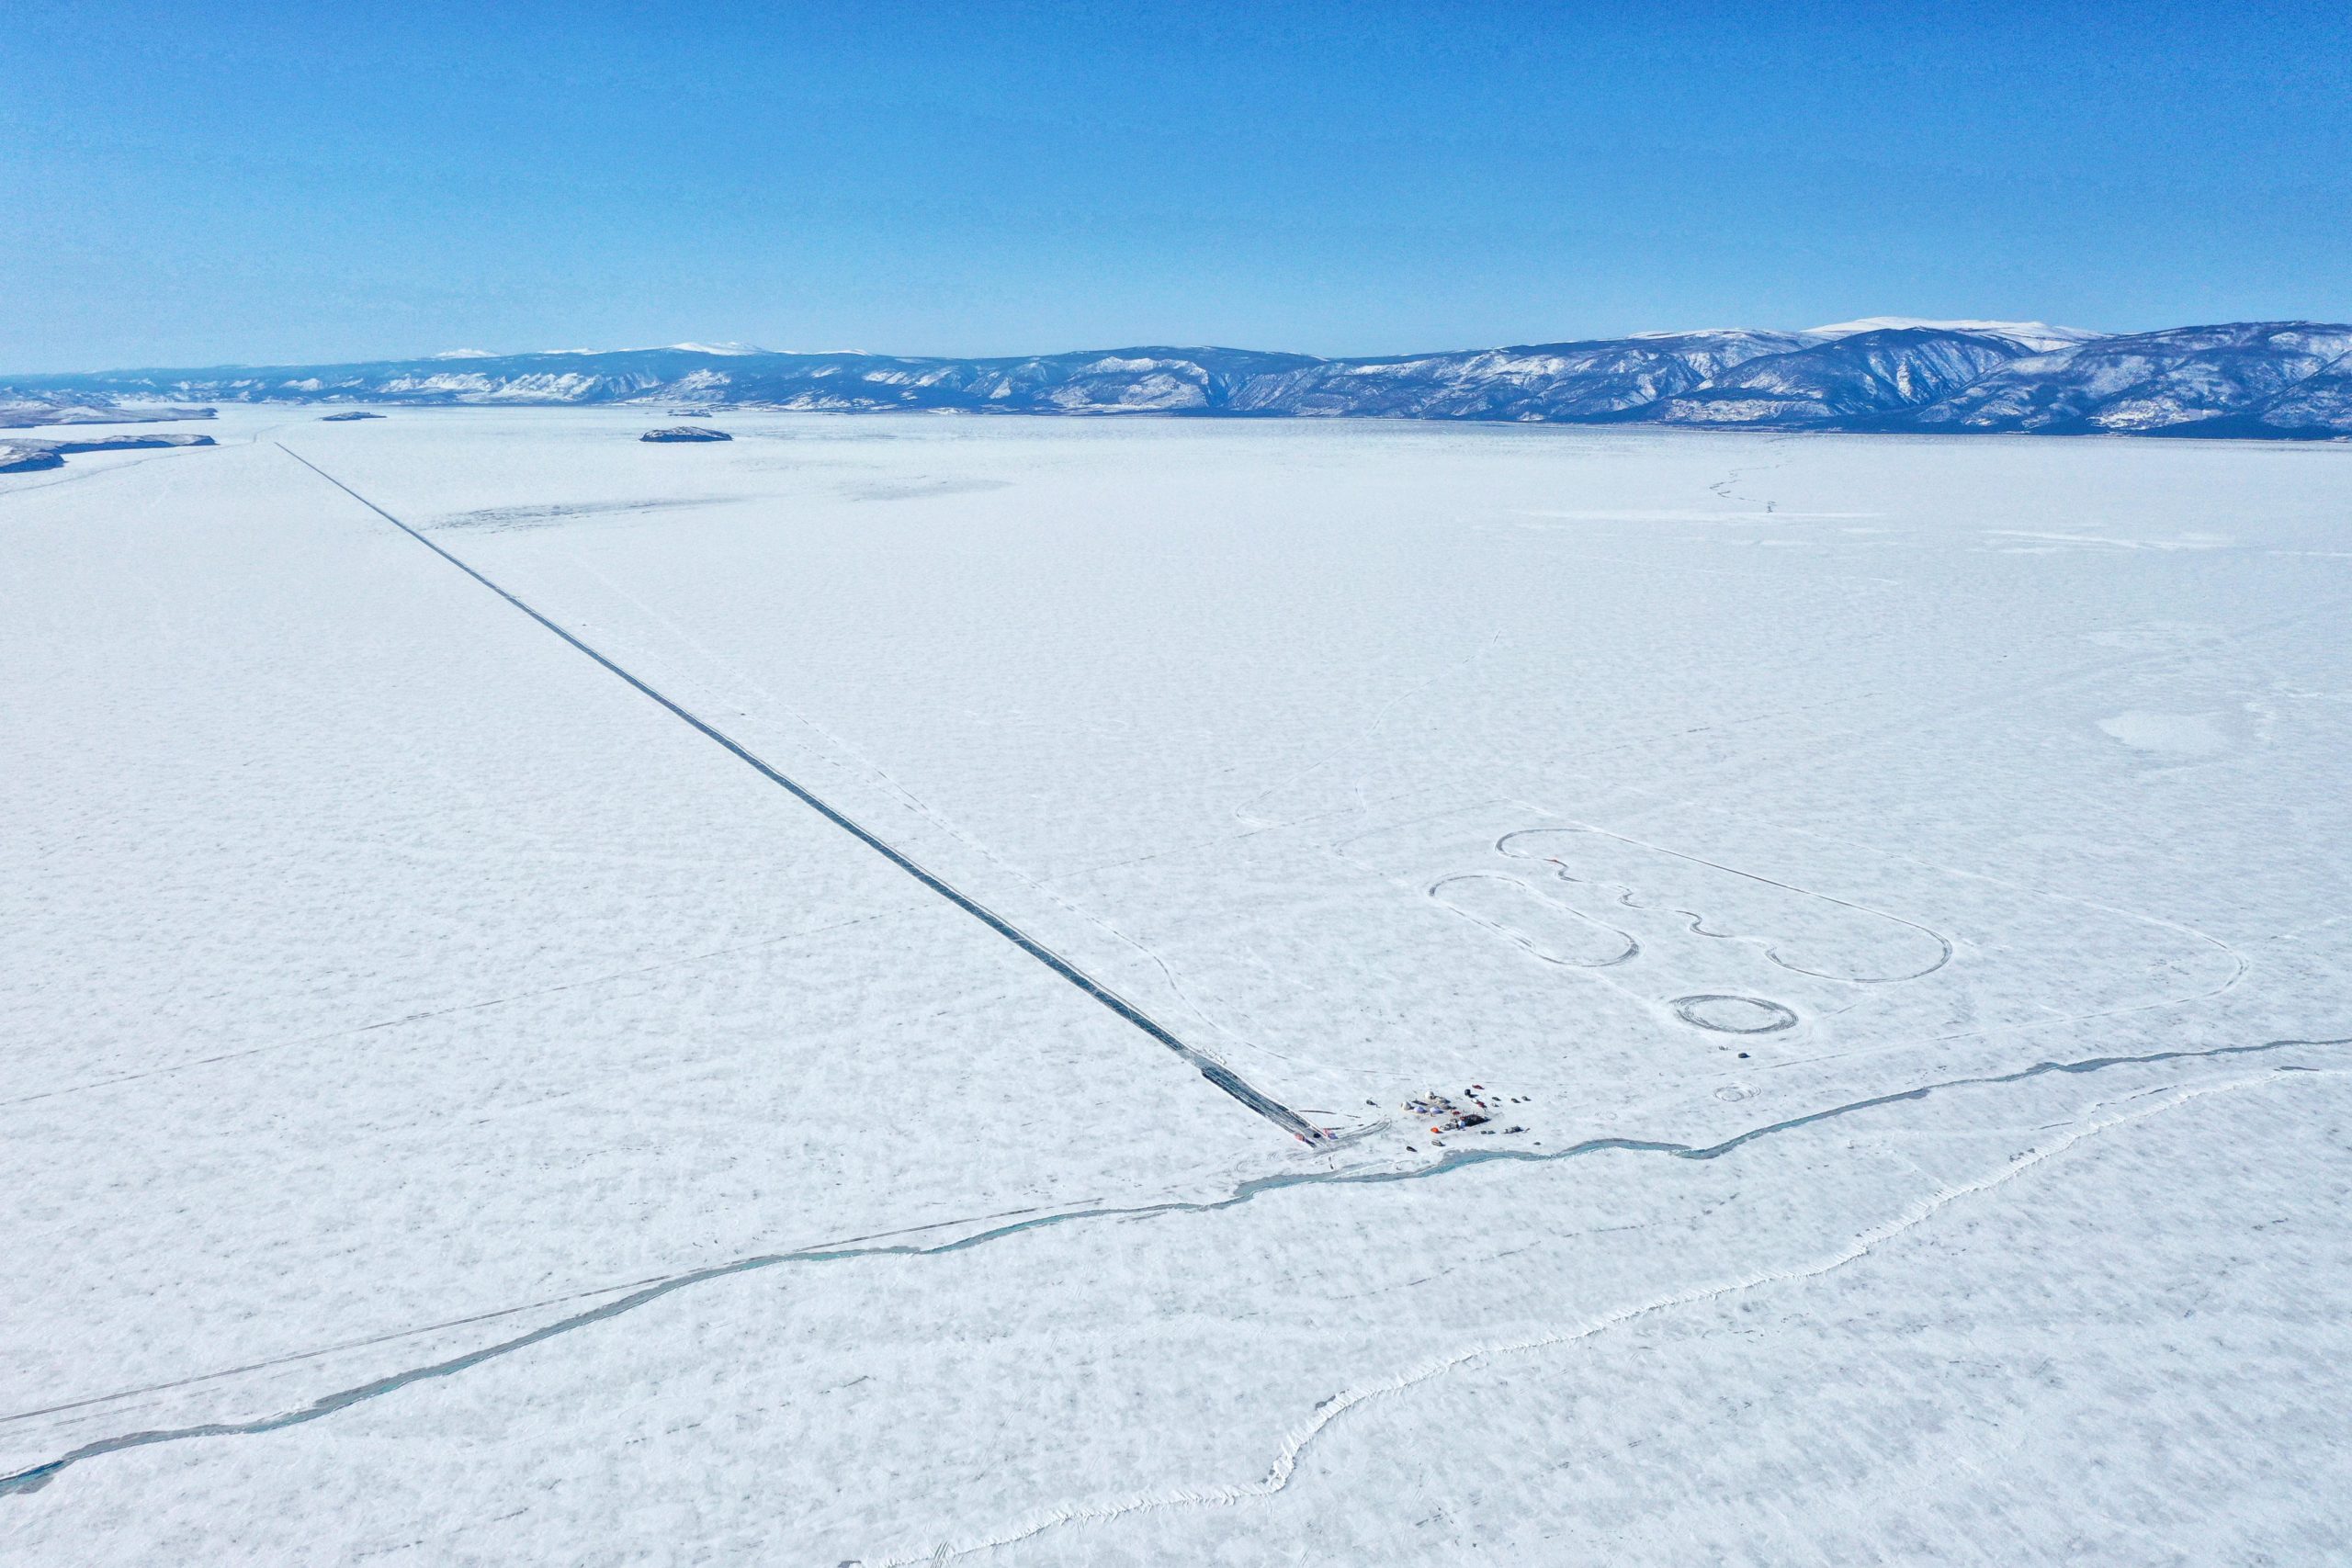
x: 40, y: 1475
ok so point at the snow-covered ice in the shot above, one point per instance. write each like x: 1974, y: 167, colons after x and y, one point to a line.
x: 1892, y: 897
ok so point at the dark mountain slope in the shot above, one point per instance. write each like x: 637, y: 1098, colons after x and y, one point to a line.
x: 1867, y: 375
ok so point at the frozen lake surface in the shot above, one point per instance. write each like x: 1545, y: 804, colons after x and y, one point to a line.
x: 799, y: 1062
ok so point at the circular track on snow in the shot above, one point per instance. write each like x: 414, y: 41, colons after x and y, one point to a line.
x: 1734, y: 1015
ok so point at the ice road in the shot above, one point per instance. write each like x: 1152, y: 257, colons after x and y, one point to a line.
x: 913, y: 989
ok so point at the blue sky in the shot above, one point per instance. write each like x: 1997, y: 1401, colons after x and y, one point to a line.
x: 189, y: 184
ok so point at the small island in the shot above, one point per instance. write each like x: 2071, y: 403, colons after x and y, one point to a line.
x: 686, y: 432
x: 30, y: 457
x: 353, y: 413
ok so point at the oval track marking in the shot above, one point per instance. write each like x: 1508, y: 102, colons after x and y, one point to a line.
x: 1802, y: 930
x: 1734, y: 1015
x: 1552, y: 933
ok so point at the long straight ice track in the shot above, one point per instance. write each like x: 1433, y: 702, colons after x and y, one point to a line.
x: 1216, y: 1072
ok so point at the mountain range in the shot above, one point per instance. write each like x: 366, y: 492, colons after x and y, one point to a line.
x: 2267, y: 380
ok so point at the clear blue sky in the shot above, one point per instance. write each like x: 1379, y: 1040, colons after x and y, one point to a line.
x: 188, y: 184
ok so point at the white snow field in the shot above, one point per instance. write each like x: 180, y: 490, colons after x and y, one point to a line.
x: 661, y: 1017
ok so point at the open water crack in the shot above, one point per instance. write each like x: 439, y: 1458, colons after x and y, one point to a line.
x: 37, y: 1476
x: 1224, y: 1078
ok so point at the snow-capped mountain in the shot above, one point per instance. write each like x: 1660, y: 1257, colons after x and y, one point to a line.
x: 2264, y: 379
x: 2156, y: 381
x: 1560, y: 381
x: 2038, y: 336
x: 1851, y: 376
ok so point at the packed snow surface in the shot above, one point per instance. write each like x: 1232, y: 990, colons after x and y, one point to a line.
x: 579, y: 1001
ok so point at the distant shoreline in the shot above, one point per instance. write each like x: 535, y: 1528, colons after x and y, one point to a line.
x: 2263, y: 380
